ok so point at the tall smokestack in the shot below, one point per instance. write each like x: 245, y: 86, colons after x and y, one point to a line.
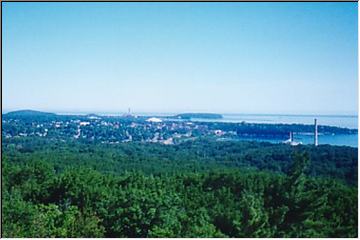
x: 315, y: 132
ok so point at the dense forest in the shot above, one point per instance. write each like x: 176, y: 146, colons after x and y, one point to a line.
x: 203, y: 188
x: 191, y: 156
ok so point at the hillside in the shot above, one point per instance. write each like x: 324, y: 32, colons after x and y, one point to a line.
x: 200, y: 189
x: 28, y: 113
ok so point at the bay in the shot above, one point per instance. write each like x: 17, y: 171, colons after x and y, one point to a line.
x: 345, y: 121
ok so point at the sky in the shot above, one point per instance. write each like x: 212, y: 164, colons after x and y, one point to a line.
x: 287, y: 58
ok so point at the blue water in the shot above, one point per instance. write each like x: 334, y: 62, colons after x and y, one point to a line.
x: 337, y: 121
x: 336, y: 140
x: 347, y: 121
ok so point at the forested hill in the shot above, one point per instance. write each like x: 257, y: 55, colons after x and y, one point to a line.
x: 29, y: 115
x: 201, y: 188
x: 201, y: 155
x: 59, y: 189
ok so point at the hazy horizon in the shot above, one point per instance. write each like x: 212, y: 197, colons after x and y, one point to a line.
x: 251, y: 58
x: 70, y: 112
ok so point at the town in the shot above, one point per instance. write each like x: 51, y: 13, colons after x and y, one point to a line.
x: 146, y: 129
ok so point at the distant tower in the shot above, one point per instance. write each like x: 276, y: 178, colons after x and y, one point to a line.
x: 129, y: 111
x: 291, y: 137
x: 315, y: 132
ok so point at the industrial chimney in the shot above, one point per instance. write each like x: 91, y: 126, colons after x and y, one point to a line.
x: 315, y: 132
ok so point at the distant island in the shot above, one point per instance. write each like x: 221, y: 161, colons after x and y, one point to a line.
x: 29, y: 113
x: 199, y: 115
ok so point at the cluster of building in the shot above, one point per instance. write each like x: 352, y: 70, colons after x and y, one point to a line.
x: 129, y: 128
x: 112, y: 130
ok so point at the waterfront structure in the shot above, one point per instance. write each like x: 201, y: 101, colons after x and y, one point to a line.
x: 291, y: 141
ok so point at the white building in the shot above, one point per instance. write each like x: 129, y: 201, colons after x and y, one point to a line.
x: 84, y: 123
x: 291, y: 141
x: 154, y: 119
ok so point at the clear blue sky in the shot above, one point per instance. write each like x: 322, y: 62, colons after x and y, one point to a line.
x: 177, y: 57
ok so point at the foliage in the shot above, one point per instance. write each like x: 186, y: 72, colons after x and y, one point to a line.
x: 40, y: 201
x: 195, y: 156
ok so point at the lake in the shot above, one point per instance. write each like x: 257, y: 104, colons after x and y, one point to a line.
x: 350, y: 140
x: 336, y: 120
x: 347, y: 121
